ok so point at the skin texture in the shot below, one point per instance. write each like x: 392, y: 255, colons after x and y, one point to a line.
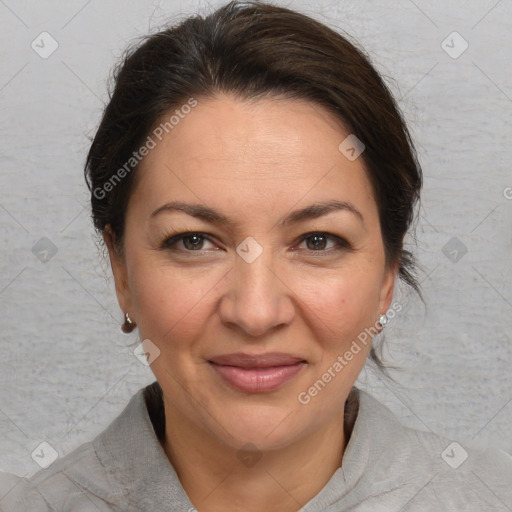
x: 254, y: 161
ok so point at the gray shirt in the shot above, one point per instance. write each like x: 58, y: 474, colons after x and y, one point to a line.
x: 386, y: 467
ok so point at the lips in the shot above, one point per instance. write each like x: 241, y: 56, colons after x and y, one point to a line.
x: 242, y: 360
x: 257, y: 373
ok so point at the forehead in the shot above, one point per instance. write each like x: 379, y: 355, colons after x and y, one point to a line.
x: 255, y: 155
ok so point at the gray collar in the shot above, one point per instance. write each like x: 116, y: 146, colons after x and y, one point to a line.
x: 140, y: 472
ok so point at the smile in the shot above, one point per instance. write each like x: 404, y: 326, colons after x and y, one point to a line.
x: 257, y: 374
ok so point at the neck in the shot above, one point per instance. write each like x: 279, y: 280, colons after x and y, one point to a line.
x: 217, y: 477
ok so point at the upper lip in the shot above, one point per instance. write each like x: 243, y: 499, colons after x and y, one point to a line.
x: 266, y: 360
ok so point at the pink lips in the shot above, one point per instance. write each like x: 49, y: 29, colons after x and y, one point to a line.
x: 257, y: 373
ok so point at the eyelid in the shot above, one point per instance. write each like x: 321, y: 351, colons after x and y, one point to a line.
x: 341, y: 241
x: 171, y: 240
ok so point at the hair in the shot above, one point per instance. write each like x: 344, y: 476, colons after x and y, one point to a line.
x: 253, y: 50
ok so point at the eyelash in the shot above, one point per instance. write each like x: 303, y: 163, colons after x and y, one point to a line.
x: 170, y: 241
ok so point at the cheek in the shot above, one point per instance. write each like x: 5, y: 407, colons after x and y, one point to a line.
x: 175, y: 304
x: 167, y: 302
x: 346, y: 302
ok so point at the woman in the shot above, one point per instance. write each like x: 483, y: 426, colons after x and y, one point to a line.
x: 253, y: 181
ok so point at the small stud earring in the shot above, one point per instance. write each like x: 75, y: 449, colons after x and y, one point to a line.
x: 383, y: 320
x: 128, y: 325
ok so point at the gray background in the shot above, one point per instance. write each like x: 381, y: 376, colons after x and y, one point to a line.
x: 66, y: 370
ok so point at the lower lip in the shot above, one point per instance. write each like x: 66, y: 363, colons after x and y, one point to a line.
x: 257, y: 380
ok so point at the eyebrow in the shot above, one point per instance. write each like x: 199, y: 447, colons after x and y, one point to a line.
x: 212, y: 216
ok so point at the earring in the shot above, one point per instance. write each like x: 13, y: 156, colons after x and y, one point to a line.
x: 128, y: 326
x: 383, y: 320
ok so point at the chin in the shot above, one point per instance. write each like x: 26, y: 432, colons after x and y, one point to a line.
x: 266, y: 427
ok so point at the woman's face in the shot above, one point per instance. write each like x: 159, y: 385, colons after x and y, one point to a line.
x: 252, y: 284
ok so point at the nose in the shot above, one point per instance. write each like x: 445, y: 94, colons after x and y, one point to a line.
x: 258, y: 299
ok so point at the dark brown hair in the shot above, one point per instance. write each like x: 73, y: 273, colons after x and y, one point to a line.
x: 252, y: 50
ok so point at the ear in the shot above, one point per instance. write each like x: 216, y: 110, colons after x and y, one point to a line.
x: 387, y: 288
x: 118, y: 264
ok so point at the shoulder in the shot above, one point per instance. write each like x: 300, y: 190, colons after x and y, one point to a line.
x: 464, y: 474
x: 82, y: 480
x: 16, y: 493
x: 77, y: 480
x: 430, y: 468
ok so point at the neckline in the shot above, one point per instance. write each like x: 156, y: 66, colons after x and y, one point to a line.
x: 145, y: 477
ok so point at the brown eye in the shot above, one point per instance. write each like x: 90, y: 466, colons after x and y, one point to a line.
x: 317, y: 242
x: 191, y: 242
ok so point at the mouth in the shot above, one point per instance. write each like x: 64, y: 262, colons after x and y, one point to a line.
x: 257, y: 373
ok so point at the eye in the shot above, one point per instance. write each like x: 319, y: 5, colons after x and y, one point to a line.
x: 316, y: 242
x: 192, y: 241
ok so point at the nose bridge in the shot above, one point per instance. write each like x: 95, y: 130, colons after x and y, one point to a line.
x: 254, y: 270
x: 256, y: 303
